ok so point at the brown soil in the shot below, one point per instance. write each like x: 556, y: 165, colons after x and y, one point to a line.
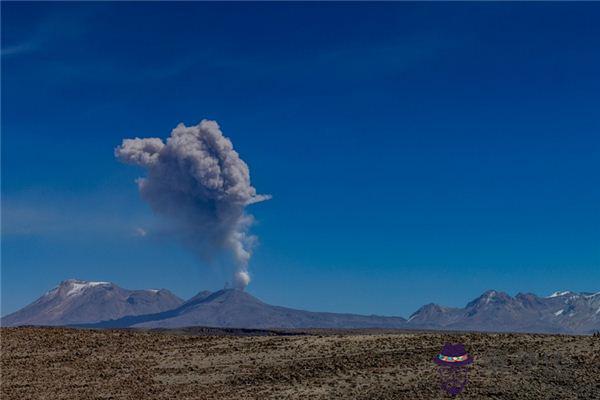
x: 57, y: 363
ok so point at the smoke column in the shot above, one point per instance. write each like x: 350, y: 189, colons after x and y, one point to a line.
x: 199, y: 183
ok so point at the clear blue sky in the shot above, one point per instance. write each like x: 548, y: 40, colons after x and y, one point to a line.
x: 415, y: 153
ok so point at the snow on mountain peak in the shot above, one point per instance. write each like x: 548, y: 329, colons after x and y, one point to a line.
x: 78, y: 287
x: 559, y: 294
x: 490, y: 295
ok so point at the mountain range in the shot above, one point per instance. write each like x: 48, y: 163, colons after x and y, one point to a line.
x: 106, y: 305
x: 561, y: 312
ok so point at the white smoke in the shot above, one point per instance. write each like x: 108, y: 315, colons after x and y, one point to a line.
x: 201, y: 185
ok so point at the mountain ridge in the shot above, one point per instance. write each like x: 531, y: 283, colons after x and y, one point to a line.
x: 233, y: 308
x: 75, y: 301
x: 561, y: 312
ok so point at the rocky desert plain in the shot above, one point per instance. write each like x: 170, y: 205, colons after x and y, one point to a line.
x: 210, y: 363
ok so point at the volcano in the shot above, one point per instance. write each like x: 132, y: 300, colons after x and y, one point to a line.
x: 234, y: 308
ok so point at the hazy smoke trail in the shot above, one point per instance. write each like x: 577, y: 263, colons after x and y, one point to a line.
x: 198, y: 181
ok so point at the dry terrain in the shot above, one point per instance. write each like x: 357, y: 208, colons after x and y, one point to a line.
x: 57, y: 363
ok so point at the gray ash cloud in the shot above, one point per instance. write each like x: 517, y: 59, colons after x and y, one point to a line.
x: 200, y: 185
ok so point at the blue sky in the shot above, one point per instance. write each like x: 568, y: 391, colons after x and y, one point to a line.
x: 415, y: 153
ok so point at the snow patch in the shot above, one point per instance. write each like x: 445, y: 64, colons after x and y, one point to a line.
x: 558, y: 294
x: 79, y: 287
x: 490, y: 295
x: 558, y: 312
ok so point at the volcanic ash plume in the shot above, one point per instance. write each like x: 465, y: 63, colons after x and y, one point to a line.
x: 202, y: 186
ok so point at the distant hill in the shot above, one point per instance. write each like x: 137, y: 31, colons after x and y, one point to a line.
x: 79, y: 302
x: 562, y: 312
x: 106, y: 305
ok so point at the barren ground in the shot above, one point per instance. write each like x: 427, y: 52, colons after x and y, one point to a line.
x: 57, y: 363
